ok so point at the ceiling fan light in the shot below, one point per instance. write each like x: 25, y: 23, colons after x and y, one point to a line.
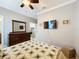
x: 34, y: 1
x: 31, y: 6
x: 26, y: 2
x: 22, y: 5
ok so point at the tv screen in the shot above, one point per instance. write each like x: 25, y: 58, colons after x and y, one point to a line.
x: 52, y: 24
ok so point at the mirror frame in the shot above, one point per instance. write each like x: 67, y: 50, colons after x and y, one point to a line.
x: 18, y: 22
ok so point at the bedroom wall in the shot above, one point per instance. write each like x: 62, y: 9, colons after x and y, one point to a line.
x: 63, y: 35
x: 7, y: 26
x: 0, y: 26
x: 77, y: 28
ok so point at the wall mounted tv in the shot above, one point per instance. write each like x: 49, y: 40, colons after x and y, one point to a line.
x: 52, y: 24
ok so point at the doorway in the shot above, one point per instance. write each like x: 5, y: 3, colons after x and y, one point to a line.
x: 1, y: 30
x: 33, y: 27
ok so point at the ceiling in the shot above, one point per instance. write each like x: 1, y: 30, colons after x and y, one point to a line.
x: 14, y: 5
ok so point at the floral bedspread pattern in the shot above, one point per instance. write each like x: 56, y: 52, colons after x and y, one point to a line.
x: 31, y: 50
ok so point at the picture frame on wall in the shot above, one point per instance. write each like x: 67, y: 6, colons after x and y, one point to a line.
x: 18, y: 26
x: 65, y: 21
x: 52, y: 24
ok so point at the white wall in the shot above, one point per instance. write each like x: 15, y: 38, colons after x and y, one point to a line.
x: 8, y: 17
x: 0, y: 24
x: 76, y: 40
x: 63, y: 35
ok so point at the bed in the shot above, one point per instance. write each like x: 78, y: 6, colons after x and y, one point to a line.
x: 31, y: 49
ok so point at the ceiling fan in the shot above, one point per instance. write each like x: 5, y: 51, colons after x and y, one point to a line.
x: 28, y: 3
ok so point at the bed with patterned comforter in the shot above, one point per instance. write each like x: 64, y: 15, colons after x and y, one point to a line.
x: 31, y: 50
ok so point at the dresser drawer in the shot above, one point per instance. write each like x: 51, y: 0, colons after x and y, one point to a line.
x: 15, y: 38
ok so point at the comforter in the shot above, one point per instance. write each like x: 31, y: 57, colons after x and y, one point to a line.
x: 31, y: 50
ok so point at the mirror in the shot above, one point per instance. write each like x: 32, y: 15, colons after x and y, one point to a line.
x: 18, y: 26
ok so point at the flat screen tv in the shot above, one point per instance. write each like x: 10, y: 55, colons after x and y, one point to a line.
x: 52, y: 24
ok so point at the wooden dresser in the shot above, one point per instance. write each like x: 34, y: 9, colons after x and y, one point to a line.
x: 18, y: 37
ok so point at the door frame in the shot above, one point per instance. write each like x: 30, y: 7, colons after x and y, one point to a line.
x: 2, y: 29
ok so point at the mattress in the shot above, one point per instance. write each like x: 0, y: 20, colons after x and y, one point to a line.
x: 31, y: 50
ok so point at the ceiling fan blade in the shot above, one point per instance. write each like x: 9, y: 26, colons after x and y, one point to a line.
x: 34, y: 1
x: 22, y: 5
x: 31, y: 6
